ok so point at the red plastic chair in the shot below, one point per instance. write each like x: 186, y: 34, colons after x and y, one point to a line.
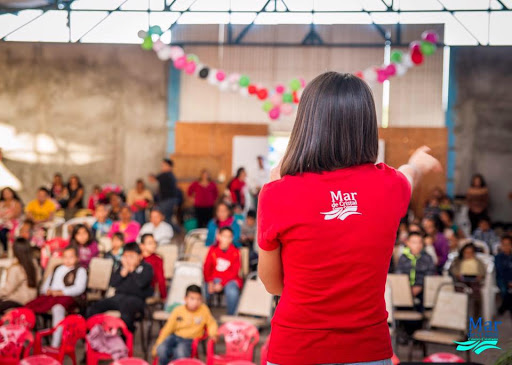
x: 15, y: 343
x: 240, y: 338
x: 130, y: 361
x: 443, y: 357
x: 195, y: 345
x: 73, y: 329
x: 39, y: 360
x: 110, y: 324
x: 19, y: 316
x: 264, y: 352
x: 186, y: 362
x: 241, y: 362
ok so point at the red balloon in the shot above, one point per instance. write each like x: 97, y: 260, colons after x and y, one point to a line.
x: 295, y: 97
x: 415, y: 46
x: 252, y: 89
x: 417, y: 57
x: 359, y: 74
x: 262, y: 94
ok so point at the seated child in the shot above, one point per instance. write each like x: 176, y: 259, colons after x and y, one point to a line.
x: 117, y: 250
x: 186, y: 323
x: 222, y: 268
x: 83, y: 240
x: 62, y: 291
x: 485, y: 233
x: 95, y: 198
x: 248, y: 230
x: 103, y: 224
x: 132, y: 282
x: 148, y: 247
x: 416, y: 263
x: 503, y: 262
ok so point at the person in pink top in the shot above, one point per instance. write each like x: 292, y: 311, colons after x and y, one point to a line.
x: 128, y: 227
x: 204, y: 192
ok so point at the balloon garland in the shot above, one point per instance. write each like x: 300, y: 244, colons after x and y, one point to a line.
x: 282, y: 99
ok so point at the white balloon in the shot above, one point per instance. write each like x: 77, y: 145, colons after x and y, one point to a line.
x: 400, y: 69
x: 164, y: 54
x: 406, y: 60
x: 234, y: 87
x: 369, y: 75
x: 244, y: 91
x: 224, y: 86
x: 142, y: 34
x: 212, y: 77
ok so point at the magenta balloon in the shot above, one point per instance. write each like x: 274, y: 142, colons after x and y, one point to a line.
x: 190, y: 67
x: 279, y: 89
x: 220, y: 75
x: 430, y: 36
x: 391, y: 69
x: 381, y: 75
x: 274, y: 113
x: 180, y: 62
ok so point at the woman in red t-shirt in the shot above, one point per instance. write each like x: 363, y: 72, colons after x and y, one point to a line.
x: 236, y: 187
x: 326, y: 228
x: 204, y: 191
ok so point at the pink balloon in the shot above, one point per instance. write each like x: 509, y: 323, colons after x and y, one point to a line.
x: 158, y: 45
x: 429, y: 36
x: 180, y: 62
x: 286, y: 109
x: 190, y: 67
x: 302, y: 82
x: 176, y: 52
x: 234, y: 78
x: 391, y: 69
x: 381, y: 75
x: 220, y: 75
x: 276, y: 99
x: 274, y: 113
x: 279, y: 89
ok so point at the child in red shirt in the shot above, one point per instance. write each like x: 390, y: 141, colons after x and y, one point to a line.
x: 222, y: 268
x: 148, y: 247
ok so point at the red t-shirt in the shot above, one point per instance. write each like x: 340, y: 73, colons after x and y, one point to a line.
x: 223, y: 265
x: 157, y: 264
x: 337, y: 230
x: 204, y: 196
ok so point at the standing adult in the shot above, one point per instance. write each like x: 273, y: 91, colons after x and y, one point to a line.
x: 326, y: 228
x: 10, y: 214
x: 260, y: 178
x: 204, y: 192
x: 477, y: 198
x: 167, y: 189
x: 237, y: 187
x: 76, y: 196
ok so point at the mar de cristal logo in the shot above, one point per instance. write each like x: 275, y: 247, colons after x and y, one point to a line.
x: 343, y: 205
x: 480, y: 337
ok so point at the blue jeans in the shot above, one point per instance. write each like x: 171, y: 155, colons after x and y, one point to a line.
x: 140, y: 217
x: 232, y: 293
x: 167, y: 207
x: 173, y: 348
x: 379, y: 362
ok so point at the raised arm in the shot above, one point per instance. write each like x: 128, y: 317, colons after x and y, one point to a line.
x: 419, y: 164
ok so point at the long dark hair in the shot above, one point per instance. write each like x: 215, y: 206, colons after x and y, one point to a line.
x: 482, y: 180
x: 76, y: 228
x: 79, y: 183
x: 14, y: 194
x: 465, y: 247
x: 335, y: 127
x: 23, y: 253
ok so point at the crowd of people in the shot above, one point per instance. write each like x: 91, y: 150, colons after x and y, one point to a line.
x: 136, y: 224
x: 458, y: 241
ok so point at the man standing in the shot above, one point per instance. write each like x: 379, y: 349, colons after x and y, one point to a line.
x: 167, y: 189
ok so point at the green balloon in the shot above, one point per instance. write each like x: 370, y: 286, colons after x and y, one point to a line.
x: 192, y: 57
x: 295, y: 85
x: 267, y: 106
x: 155, y: 29
x: 427, y: 48
x: 147, y: 44
x: 396, y: 56
x: 287, y: 98
x: 244, y: 81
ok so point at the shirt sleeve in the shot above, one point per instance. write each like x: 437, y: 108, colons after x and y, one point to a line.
x: 267, y: 221
x: 46, y: 284
x: 404, y: 193
x: 211, y: 324
x: 78, y: 286
x: 169, y: 328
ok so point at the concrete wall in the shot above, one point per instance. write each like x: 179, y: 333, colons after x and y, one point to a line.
x: 95, y: 110
x: 483, y: 123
